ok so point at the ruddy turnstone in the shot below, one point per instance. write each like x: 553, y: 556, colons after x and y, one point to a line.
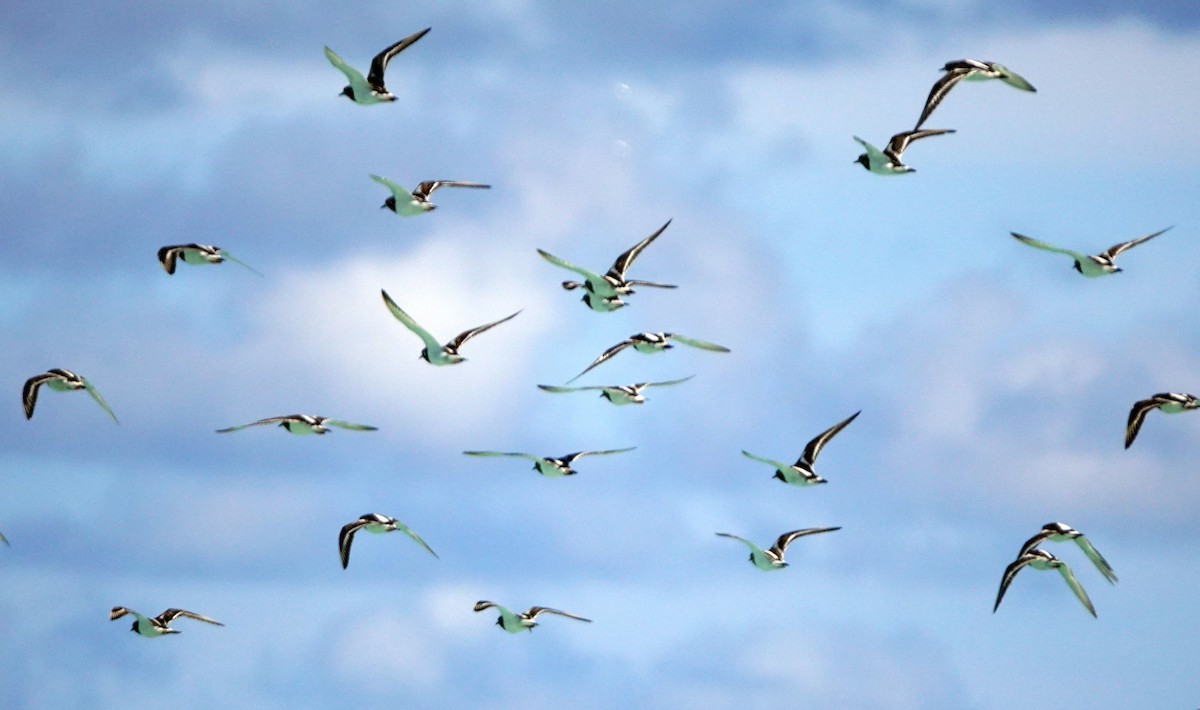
x: 302, y: 424
x: 59, y: 380
x: 603, y: 293
x: 650, y: 343
x: 551, y: 467
x: 888, y: 161
x: 772, y: 557
x: 407, y: 204
x: 371, y: 90
x: 1092, y: 266
x: 1166, y: 402
x: 158, y: 625
x: 1039, y: 559
x: 515, y: 623
x: 801, y: 473
x: 377, y: 524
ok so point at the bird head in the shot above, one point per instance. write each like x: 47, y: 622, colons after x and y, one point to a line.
x: 348, y: 92
x: 864, y: 161
x: 424, y: 354
x: 389, y: 203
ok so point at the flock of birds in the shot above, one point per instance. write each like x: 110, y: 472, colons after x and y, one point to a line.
x: 605, y: 293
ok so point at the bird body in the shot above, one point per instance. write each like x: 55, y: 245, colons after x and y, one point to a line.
x: 516, y: 622
x: 153, y: 627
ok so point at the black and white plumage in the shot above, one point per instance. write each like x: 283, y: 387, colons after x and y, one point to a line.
x: 618, y: 394
x: 1061, y: 532
x: 603, y: 293
x: 198, y: 254
x: 433, y: 352
x: 650, y: 343
x: 152, y: 627
x: 59, y: 380
x: 1039, y: 559
x: 970, y: 70
x: 1101, y: 264
x: 888, y: 161
x: 549, y: 466
x: 303, y: 424
x: 772, y: 557
x: 371, y: 89
x: 801, y: 473
x: 377, y: 524
x: 1166, y: 402
x: 407, y: 204
x: 516, y: 622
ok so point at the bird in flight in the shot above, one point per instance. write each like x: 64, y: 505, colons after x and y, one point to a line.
x: 618, y: 394
x: 433, y: 352
x: 970, y: 70
x: 377, y: 524
x: 772, y: 557
x: 1061, y: 532
x: 547, y: 466
x: 801, y: 473
x: 371, y: 90
x: 407, y: 204
x: 59, y: 380
x: 888, y: 161
x: 515, y: 623
x: 1166, y: 402
x: 650, y: 343
x: 1039, y: 559
x: 603, y: 293
x: 1092, y: 266
x: 197, y: 254
x: 159, y: 625
x: 303, y: 424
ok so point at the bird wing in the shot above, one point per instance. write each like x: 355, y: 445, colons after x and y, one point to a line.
x: 226, y: 255
x: 553, y: 388
x: 468, y: 334
x: 777, y: 464
x: 1013, y: 79
x: 172, y: 614
x: 29, y: 392
x: 346, y: 539
x: 624, y: 261
x: 900, y: 142
x: 416, y: 538
x: 1136, y: 415
x: 350, y: 425
x: 166, y: 257
x: 635, y: 282
x: 1065, y: 570
x: 354, y: 76
x: 667, y: 382
x: 99, y: 400
x: 426, y: 188
x: 401, y: 194
x: 1097, y: 559
x: 4, y: 540
x: 788, y: 538
x: 580, y: 454
x: 535, y: 610
x: 607, y: 354
x: 1034, y: 541
x: 516, y: 454
x: 269, y: 420
x: 119, y: 611
x: 1048, y: 247
x: 744, y: 541
x: 703, y: 345
x: 380, y: 62
x: 1010, y: 573
x: 941, y: 87
x: 1112, y: 251
x: 814, y: 447
x: 430, y: 343
x: 590, y: 276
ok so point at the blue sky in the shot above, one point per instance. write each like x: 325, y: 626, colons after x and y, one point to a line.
x: 994, y: 381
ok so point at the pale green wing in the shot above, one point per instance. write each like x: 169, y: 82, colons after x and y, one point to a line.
x: 589, y: 275
x: 416, y: 538
x: 1043, y: 245
x: 581, y: 454
x: 873, y: 153
x: 430, y: 343
x: 1013, y: 79
x: 744, y: 541
x: 519, y: 455
x: 777, y: 464
x: 553, y: 388
x: 350, y: 425
x: 226, y: 255
x: 669, y: 382
x: 260, y: 422
x: 1076, y: 587
x: 99, y: 400
x: 703, y: 345
x: 1097, y: 559
x: 357, y: 81
x: 397, y: 191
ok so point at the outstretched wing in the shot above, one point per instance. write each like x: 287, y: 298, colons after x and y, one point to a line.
x: 346, y: 539
x: 1112, y: 251
x: 426, y: 188
x: 1013, y: 79
x: 553, y: 388
x: 1076, y: 587
x: 516, y: 454
x: 29, y: 392
x: 172, y: 614
x: 580, y: 454
x: 430, y: 343
x: 590, y: 276
x: 226, y: 255
x: 1097, y: 559
x: 941, y: 87
x: 350, y: 425
x: 401, y: 194
x: 380, y: 62
x: 1010, y: 573
x: 535, y: 610
x: 667, y: 382
x: 606, y: 355
x: 1047, y: 247
x: 744, y: 541
x: 771, y: 462
x: 99, y: 400
x: 703, y: 345
x: 788, y: 538
x: 354, y: 76
x: 416, y: 538
x: 468, y: 334
x: 1136, y: 416
x: 900, y: 142
x: 624, y: 261
x: 167, y: 257
x: 814, y: 447
x: 269, y: 420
